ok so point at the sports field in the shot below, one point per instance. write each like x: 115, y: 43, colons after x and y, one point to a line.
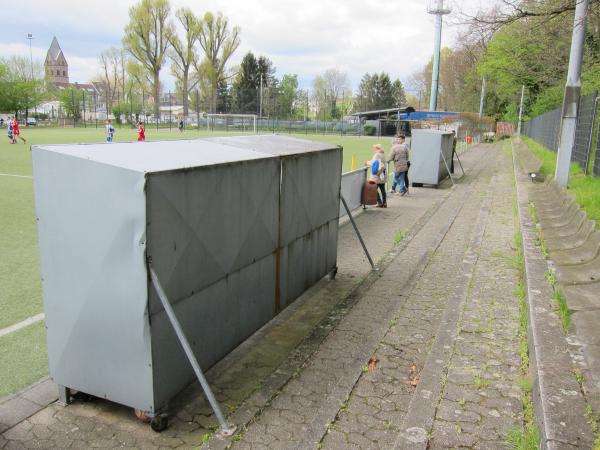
x: 23, y: 352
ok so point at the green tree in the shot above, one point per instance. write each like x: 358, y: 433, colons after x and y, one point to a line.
x: 288, y: 96
x: 71, y: 100
x: 247, y: 84
x: 147, y: 37
x: 218, y: 43
x: 398, y: 93
x: 184, y: 55
x: 19, y: 92
x: 378, y: 92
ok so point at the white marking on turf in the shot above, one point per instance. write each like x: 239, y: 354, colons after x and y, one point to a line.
x: 16, y: 176
x: 25, y: 323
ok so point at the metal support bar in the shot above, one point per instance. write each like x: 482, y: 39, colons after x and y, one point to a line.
x: 460, y: 164
x: 226, y: 429
x: 448, y: 167
x: 357, y: 232
x: 64, y: 395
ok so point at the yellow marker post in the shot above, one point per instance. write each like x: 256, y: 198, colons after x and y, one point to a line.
x: 353, y: 163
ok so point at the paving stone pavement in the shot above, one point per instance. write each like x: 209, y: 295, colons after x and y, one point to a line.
x: 337, y: 401
x: 303, y: 381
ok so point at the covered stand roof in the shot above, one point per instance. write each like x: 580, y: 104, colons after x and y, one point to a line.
x: 383, y: 113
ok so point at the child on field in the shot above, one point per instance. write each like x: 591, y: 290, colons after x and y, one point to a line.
x: 141, y: 132
x: 110, y: 131
x: 11, y: 136
x: 17, y: 131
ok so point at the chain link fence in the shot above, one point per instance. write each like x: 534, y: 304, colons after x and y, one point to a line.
x: 584, y: 130
x: 545, y: 129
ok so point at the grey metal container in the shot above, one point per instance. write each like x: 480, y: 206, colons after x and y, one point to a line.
x: 426, y: 163
x: 236, y: 229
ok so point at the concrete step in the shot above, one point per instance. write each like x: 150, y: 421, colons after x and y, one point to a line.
x: 571, y: 242
x: 582, y: 254
x: 558, y: 211
x: 584, y: 297
x: 585, y: 273
x: 573, y: 222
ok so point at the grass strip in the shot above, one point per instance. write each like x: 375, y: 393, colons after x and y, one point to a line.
x: 23, y: 358
x: 526, y: 437
x: 586, y: 189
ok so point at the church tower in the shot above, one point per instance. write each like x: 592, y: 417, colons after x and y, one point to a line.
x: 57, y: 69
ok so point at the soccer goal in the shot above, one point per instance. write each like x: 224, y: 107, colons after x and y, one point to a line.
x: 243, y: 123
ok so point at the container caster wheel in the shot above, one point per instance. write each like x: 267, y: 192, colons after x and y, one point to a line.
x: 159, y: 423
x: 332, y: 274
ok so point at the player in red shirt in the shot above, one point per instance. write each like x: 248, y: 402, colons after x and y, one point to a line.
x: 141, y: 132
x: 17, y: 131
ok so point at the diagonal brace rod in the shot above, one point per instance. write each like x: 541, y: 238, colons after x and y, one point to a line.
x: 226, y: 429
x: 357, y: 232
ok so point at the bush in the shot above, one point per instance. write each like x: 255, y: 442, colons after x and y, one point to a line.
x: 370, y: 130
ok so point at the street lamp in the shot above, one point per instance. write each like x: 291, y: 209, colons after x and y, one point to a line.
x: 30, y: 38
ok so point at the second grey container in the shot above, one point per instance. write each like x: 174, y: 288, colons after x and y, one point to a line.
x: 426, y: 163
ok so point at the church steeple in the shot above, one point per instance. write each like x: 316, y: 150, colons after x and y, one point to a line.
x: 56, y: 65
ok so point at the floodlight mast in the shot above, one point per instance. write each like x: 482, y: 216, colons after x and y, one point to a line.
x: 436, y: 8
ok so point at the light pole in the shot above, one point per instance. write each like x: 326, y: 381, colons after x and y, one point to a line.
x: 439, y: 11
x: 30, y: 38
x: 572, y: 94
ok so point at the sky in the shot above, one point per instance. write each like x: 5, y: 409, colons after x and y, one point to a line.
x: 300, y: 37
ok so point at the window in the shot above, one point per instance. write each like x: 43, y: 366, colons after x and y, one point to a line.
x: 64, y: 73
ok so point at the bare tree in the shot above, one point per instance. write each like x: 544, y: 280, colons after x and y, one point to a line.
x: 110, y: 67
x: 328, y: 89
x: 505, y: 12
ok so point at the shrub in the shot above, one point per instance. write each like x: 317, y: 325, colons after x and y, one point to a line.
x: 370, y: 130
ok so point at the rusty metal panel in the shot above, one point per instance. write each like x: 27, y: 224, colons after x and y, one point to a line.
x: 206, y: 223
x: 216, y: 320
x: 310, y: 192
x: 308, y: 259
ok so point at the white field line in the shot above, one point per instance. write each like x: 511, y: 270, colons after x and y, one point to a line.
x: 16, y: 176
x: 25, y: 323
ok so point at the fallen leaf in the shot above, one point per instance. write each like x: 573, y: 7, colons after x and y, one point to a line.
x: 413, y: 369
x: 414, y: 382
x: 372, y: 362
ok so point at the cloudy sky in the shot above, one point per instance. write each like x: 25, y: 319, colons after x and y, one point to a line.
x: 302, y: 37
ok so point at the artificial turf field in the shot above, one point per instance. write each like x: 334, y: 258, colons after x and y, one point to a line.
x: 23, y: 353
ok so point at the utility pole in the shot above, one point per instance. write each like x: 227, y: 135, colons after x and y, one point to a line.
x: 30, y: 38
x: 261, y: 97
x: 482, y: 101
x: 521, y: 111
x: 437, y: 9
x: 572, y: 94
x: 306, y: 107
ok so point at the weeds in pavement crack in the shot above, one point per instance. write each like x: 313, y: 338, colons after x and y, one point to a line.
x: 526, y: 437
